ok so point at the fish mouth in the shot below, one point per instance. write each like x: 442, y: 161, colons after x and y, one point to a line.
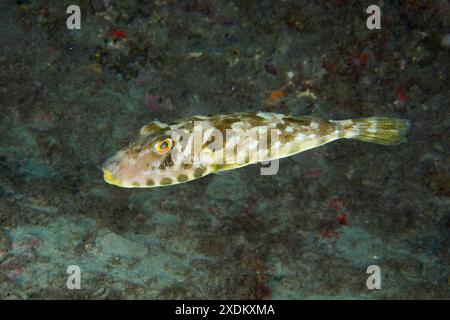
x: 109, y: 178
x: 108, y: 167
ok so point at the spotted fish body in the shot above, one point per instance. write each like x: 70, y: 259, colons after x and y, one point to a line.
x: 170, y: 153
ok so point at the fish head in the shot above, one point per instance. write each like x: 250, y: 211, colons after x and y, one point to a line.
x: 157, y: 157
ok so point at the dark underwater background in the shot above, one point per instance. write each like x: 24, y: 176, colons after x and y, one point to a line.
x: 69, y: 99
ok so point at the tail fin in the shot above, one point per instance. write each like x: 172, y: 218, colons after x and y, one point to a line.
x: 387, y: 131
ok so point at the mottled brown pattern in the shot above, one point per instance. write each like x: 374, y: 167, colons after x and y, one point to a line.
x: 251, y: 120
x: 285, y: 136
x: 224, y: 124
x: 326, y: 127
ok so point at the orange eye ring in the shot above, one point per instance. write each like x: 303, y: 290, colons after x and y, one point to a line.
x: 164, y: 146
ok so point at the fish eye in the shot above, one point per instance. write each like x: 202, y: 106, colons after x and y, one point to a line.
x: 164, y: 146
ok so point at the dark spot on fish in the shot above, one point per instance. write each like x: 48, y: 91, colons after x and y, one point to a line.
x: 282, y: 126
x: 186, y: 165
x: 220, y: 167
x: 182, y: 178
x: 210, y: 140
x: 150, y: 182
x: 136, y: 184
x: 167, y: 163
x: 286, y: 137
x: 199, y: 172
x: 165, y: 181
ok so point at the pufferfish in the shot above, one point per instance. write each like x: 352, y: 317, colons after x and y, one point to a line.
x: 166, y: 154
